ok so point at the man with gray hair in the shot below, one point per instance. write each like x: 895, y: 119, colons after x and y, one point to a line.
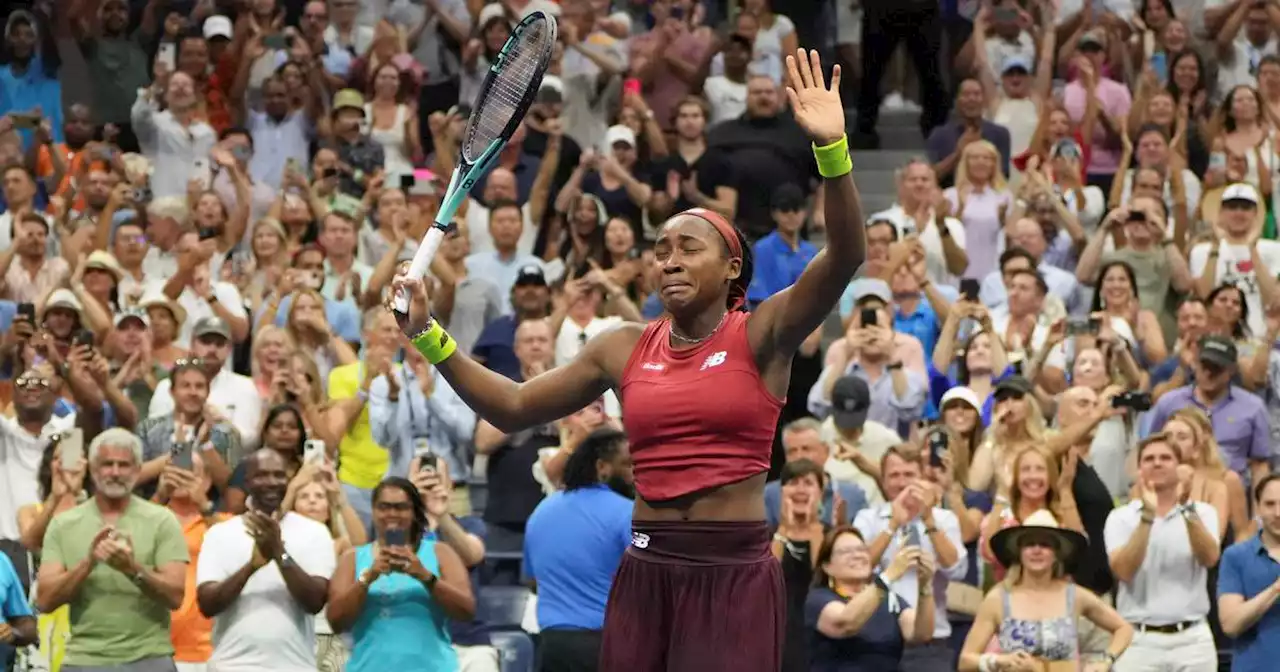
x: 166, y: 220
x: 120, y: 562
x: 802, y: 440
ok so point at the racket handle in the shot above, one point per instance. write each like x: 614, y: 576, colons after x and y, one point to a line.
x: 421, y: 262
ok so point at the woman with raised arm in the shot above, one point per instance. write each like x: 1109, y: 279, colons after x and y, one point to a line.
x: 701, y: 390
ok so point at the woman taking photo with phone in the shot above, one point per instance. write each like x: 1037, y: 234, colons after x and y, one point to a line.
x: 701, y: 391
x: 397, y: 594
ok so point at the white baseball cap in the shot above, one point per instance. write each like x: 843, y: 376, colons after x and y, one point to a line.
x: 1240, y: 191
x: 619, y: 133
x: 218, y: 26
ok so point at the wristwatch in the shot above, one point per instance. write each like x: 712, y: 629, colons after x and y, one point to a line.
x: 1111, y: 658
x: 138, y: 579
x: 430, y: 581
x: 285, y: 559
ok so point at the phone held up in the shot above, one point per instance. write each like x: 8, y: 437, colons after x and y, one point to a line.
x: 396, y: 537
x: 869, y: 317
x: 313, y: 451
x: 969, y: 289
x: 937, y: 446
x: 71, y: 448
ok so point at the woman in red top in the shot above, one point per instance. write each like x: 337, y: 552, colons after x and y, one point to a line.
x: 700, y: 390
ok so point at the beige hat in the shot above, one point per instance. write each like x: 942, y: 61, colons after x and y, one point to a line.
x: 1007, y: 543
x: 104, y: 261
x: 63, y: 298
x: 158, y: 299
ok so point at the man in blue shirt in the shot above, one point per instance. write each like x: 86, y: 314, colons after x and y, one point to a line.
x: 530, y: 300
x: 802, y: 440
x: 17, y: 623
x: 1249, y: 584
x: 573, y: 544
x: 781, y: 256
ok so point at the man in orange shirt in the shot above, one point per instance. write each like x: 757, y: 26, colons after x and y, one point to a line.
x: 186, y: 493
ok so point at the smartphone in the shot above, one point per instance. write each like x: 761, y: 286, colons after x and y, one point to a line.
x: 313, y: 451
x: 869, y: 317
x: 428, y: 462
x: 168, y: 54
x: 24, y: 120
x: 27, y: 311
x: 1004, y: 15
x: 424, y: 183
x: 1081, y: 326
x: 83, y: 337
x: 1136, y: 216
x: 71, y: 448
x: 395, y: 537
x: 314, y: 280
x: 182, y: 455
x: 208, y: 233
x: 913, y: 536
x: 969, y: 289
x: 407, y: 182
x: 329, y: 173
x: 1138, y: 401
x: 938, y: 442
x: 277, y: 41
x: 631, y: 84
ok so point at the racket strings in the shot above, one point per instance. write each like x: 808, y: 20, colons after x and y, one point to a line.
x: 519, y: 69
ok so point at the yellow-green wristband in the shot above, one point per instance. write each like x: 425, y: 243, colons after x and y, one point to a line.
x: 435, y: 343
x: 833, y: 159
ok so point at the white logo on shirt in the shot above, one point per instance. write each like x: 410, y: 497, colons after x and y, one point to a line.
x: 653, y: 366
x: 639, y: 540
x: 714, y: 359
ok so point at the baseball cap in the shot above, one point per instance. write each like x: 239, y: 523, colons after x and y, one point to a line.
x: 850, y: 401
x: 1016, y: 62
x: 1091, y: 40
x: 961, y: 393
x: 132, y: 314
x: 348, y: 98
x: 489, y: 12
x: 619, y: 133
x: 211, y: 326
x: 1013, y: 385
x: 218, y: 26
x: 870, y: 288
x: 551, y: 91
x: 1218, y: 350
x: 531, y: 274
x: 1240, y: 191
x: 787, y: 197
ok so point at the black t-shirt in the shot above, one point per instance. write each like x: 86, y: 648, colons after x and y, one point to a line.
x: 513, y: 493
x: 617, y: 202
x: 765, y: 154
x: 713, y: 171
x: 877, y: 646
x: 1094, y: 504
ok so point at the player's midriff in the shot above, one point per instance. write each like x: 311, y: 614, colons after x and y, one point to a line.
x: 699, y: 418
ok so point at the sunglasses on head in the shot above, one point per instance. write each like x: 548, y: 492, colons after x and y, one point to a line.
x: 30, y: 382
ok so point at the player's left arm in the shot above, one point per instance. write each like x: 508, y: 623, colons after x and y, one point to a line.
x: 783, y: 321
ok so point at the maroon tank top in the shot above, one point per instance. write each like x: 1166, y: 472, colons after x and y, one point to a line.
x: 697, y: 418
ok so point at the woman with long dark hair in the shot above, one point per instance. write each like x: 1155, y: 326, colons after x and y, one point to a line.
x: 397, y: 594
x: 701, y: 392
x: 1117, y: 298
x: 283, y: 432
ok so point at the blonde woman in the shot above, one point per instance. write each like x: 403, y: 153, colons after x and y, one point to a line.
x: 1034, y: 483
x: 268, y: 260
x: 316, y: 493
x: 1033, y: 614
x: 1017, y: 423
x: 303, y: 387
x: 979, y: 199
x: 1191, y: 434
x: 310, y: 330
x: 269, y: 358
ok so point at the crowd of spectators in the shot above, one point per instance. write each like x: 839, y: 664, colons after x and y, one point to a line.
x: 1043, y: 439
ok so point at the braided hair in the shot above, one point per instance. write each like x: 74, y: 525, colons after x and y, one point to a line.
x: 601, y: 444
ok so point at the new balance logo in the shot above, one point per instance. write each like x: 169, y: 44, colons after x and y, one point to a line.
x: 653, y: 366
x: 639, y: 540
x: 714, y: 359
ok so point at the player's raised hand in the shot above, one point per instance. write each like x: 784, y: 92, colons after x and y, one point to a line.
x: 817, y: 108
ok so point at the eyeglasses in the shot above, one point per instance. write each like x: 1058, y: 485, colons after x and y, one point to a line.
x: 134, y: 240
x: 188, y: 361
x: 29, y: 382
x: 849, y: 552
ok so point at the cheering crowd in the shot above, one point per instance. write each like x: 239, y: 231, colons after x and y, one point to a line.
x: 1040, y: 439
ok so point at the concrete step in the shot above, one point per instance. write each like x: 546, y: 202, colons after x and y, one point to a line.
x: 884, y: 159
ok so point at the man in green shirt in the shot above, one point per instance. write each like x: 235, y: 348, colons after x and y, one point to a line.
x: 120, y: 562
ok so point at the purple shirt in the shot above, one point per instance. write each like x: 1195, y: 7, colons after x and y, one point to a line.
x: 1104, y: 157
x: 1240, y: 424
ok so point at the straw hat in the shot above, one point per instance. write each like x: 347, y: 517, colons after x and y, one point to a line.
x: 161, y: 300
x: 1007, y: 542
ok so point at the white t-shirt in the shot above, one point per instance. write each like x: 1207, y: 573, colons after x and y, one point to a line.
x: 1057, y: 357
x: 570, y: 341
x: 482, y: 240
x: 1235, y: 267
x: 1243, y: 67
x: 231, y: 394
x: 727, y: 98
x: 198, y: 308
x: 20, y: 455
x: 264, y: 628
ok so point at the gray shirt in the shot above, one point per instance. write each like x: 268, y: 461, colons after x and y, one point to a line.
x: 1169, y: 586
x: 476, y: 302
x: 437, y: 54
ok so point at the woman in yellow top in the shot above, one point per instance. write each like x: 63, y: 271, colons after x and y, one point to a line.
x: 60, y: 489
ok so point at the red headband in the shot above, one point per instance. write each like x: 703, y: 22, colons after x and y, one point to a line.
x: 737, y: 289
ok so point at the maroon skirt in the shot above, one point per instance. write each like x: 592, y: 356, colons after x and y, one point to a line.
x: 695, y: 597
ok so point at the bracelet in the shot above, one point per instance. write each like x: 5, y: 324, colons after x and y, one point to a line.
x: 1147, y: 519
x: 435, y: 343
x: 833, y: 159
x: 363, y: 396
x: 986, y: 662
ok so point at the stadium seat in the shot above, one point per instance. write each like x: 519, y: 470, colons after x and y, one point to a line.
x: 516, y: 649
x: 502, y: 607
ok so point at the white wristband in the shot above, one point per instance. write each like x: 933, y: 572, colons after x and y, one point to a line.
x: 986, y: 662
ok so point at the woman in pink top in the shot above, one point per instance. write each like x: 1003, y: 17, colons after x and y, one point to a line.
x: 1091, y: 84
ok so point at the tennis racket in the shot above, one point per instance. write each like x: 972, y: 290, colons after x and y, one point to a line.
x: 504, y: 98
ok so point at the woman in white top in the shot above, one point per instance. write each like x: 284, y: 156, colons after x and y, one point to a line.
x: 777, y: 35
x: 979, y: 199
x: 393, y: 124
x: 480, y: 51
x: 1240, y: 128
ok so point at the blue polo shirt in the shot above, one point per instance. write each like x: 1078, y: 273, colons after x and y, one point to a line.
x: 1247, y: 570
x: 777, y: 265
x: 573, y: 543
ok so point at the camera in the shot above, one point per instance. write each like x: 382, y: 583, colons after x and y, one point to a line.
x: 1138, y: 401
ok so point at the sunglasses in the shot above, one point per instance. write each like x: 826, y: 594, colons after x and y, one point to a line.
x: 188, y: 361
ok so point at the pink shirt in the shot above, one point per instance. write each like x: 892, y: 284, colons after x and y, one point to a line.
x: 1115, y: 98
x: 667, y: 89
x: 21, y: 287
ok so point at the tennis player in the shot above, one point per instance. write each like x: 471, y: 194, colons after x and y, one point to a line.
x: 701, y: 390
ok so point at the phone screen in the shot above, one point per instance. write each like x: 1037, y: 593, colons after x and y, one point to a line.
x: 71, y: 448
x: 84, y: 337
x: 969, y: 289
x: 181, y: 456
x: 396, y: 537
x: 28, y: 310
x: 913, y: 536
x: 869, y: 317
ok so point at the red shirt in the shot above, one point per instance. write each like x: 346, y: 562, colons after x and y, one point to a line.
x: 697, y: 418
